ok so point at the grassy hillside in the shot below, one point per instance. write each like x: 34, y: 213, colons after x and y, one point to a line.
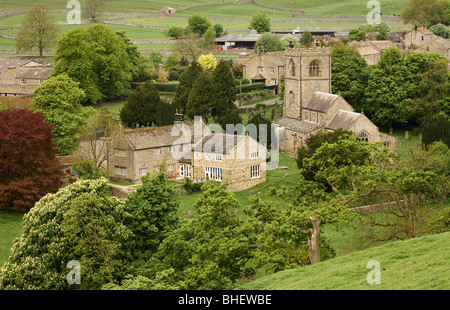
x: 416, y: 264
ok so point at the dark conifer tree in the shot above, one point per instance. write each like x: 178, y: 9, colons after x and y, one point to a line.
x: 199, y: 101
x: 224, y: 89
x: 142, y: 106
x: 186, y: 81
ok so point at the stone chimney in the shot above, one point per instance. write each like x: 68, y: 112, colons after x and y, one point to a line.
x: 260, y: 49
x: 179, y: 116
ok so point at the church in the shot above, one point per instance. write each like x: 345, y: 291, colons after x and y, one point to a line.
x: 310, y: 107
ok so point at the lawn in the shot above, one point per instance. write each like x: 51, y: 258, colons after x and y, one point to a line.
x: 414, y: 264
x: 10, y: 228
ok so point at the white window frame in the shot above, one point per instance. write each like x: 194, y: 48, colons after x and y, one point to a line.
x: 255, y: 171
x: 171, y: 167
x: 120, y: 153
x: 185, y: 170
x: 143, y: 172
x: 212, y: 173
x: 261, y: 69
x: 208, y: 156
x: 157, y: 169
x: 272, y: 70
x: 219, y: 157
x: 157, y: 151
x: 254, y: 155
x: 121, y: 171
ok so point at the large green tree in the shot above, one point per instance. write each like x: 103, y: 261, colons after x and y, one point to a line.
x: 97, y: 58
x: 154, y: 209
x: 199, y: 23
x: 142, y: 106
x: 224, y: 89
x: 186, y: 80
x: 349, y: 74
x: 59, y: 100
x: 271, y: 41
x: 260, y: 22
x: 425, y: 12
x: 199, y: 100
x: 81, y: 222
x: 38, y: 29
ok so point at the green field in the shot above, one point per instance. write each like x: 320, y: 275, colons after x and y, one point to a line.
x: 10, y: 228
x: 415, y: 264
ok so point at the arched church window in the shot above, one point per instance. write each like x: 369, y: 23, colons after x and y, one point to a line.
x: 363, y: 136
x: 292, y: 67
x: 314, y: 68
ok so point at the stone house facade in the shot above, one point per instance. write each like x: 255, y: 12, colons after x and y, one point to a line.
x: 188, y: 151
x: 418, y: 37
x: 310, y: 107
x: 21, y: 78
x: 437, y: 45
x: 268, y: 67
x: 372, y: 50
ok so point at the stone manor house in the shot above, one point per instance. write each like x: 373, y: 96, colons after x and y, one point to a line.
x: 310, y: 107
x: 188, y: 151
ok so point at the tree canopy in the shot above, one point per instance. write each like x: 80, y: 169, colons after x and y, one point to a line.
x: 260, y: 22
x: 98, y: 59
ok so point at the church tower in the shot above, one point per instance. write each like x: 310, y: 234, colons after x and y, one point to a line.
x: 306, y: 70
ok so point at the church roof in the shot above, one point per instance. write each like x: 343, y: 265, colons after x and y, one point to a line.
x: 297, y: 125
x: 320, y: 101
x: 343, y: 120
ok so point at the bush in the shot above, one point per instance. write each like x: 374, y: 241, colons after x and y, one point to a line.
x: 166, y: 87
x: 249, y: 88
x: 192, y: 187
x: 438, y: 222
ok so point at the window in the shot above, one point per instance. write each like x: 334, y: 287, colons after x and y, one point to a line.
x: 198, y: 155
x: 363, y: 136
x: 314, y: 67
x: 219, y: 157
x: 185, y: 171
x: 23, y: 81
x: 274, y: 81
x: 120, y: 153
x: 272, y: 70
x: 260, y: 69
x: 208, y: 156
x: 157, y: 169
x: 292, y: 67
x: 171, y: 167
x: 121, y: 171
x: 255, y: 172
x: 157, y: 151
x: 143, y: 172
x: 213, y: 173
x: 254, y: 155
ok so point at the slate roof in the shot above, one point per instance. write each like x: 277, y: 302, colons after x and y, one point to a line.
x: 38, y: 73
x: 6, y: 63
x: 320, y: 101
x: 240, y: 37
x: 297, y: 125
x: 154, y: 137
x: 343, y: 120
x: 219, y: 143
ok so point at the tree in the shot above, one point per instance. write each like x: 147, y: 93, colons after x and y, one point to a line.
x: 198, y: 23
x: 199, y: 101
x: 390, y: 89
x: 272, y: 43
x: 383, y: 32
x: 175, y: 32
x: 258, y: 120
x: 208, y: 62
x: 156, y: 59
x: 154, y: 209
x: 440, y: 30
x: 97, y: 143
x: 97, y: 58
x: 260, y: 22
x: 306, y: 39
x: 135, y: 58
x: 59, y: 100
x: 425, y: 13
x: 349, y: 74
x: 93, y: 9
x: 224, y: 89
x: 37, y: 30
x: 80, y: 222
x: 28, y: 165
x: 208, y: 40
x: 218, y: 28
x: 437, y: 130
x: 141, y: 106
x: 340, y: 170
x: 287, y: 39
x: 190, y: 45
x: 186, y: 81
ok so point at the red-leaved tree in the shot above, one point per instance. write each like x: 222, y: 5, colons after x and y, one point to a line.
x: 29, y: 168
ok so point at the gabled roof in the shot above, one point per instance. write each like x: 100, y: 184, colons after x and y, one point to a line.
x: 218, y: 143
x: 343, y: 120
x: 297, y: 125
x: 154, y: 137
x: 39, y: 73
x: 320, y: 101
x: 6, y: 63
x: 240, y: 37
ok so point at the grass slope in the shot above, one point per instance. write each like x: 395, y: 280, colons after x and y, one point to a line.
x: 415, y: 264
x: 10, y: 228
